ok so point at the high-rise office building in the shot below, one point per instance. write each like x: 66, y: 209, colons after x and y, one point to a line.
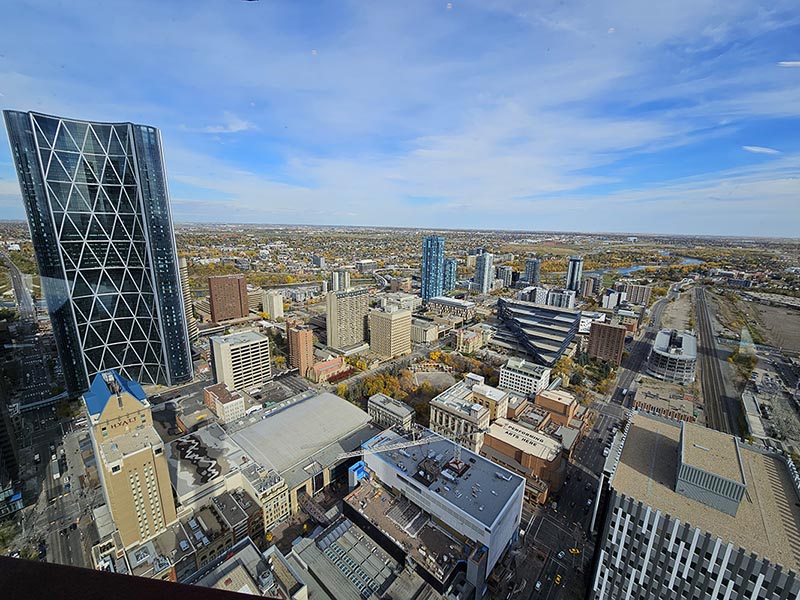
x: 390, y: 331
x: 533, y: 269
x: 318, y: 261
x: 340, y: 280
x: 273, y: 304
x: 689, y: 512
x: 241, y: 360
x: 347, y: 317
x: 228, y: 297
x: 450, y: 273
x: 432, y: 270
x: 191, y: 322
x: 300, y: 340
x: 484, y: 272
x: 98, y: 210
x: 574, y: 273
x: 130, y: 458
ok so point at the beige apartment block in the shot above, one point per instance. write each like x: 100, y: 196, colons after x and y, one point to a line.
x: 390, y: 332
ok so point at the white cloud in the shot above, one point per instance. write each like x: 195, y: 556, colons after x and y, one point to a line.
x: 789, y: 63
x: 231, y: 124
x: 761, y: 150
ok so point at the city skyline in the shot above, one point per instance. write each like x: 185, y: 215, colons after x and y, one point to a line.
x: 622, y: 120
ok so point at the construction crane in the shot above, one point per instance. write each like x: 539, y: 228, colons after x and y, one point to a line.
x: 456, y: 438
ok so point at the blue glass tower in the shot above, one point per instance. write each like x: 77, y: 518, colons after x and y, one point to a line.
x: 450, y: 270
x: 432, y: 266
x: 98, y: 209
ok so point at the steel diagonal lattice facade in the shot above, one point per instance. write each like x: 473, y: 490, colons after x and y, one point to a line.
x: 98, y: 208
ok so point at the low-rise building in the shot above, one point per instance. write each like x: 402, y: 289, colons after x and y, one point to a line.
x: 456, y: 415
x: 562, y: 406
x: 589, y: 317
x: 228, y: 406
x: 387, y: 412
x: 534, y: 455
x: 401, y: 300
x: 424, y: 332
x: 524, y: 377
x: 442, y: 305
x: 325, y: 370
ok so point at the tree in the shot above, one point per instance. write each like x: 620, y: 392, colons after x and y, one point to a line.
x: 341, y: 390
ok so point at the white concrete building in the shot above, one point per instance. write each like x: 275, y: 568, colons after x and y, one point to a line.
x: 523, y: 377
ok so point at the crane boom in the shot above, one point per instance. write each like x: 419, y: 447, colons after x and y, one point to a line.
x: 383, y: 448
x: 409, y: 443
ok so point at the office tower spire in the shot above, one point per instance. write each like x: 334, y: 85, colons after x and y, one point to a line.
x: 98, y: 209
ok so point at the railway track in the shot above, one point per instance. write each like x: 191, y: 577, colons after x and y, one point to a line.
x: 717, y: 414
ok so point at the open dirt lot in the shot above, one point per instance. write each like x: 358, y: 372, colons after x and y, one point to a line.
x: 677, y: 314
x: 779, y: 326
x: 437, y: 379
x: 771, y: 325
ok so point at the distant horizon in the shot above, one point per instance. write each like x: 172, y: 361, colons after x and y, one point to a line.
x: 447, y: 115
x: 472, y: 229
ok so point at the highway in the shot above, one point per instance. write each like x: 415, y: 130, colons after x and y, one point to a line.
x: 721, y: 410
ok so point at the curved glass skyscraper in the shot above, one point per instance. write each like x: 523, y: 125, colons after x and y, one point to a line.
x: 98, y: 209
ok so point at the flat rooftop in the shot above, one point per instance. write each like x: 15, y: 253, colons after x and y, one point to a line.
x: 679, y: 343
x: 520, y: 365
x: 564, y: 398
x: 348, y: 562
x: 458, y: 398
x: 129, y: 443
x: 313, y: 427
x: 202, y: 457
x: 409, y: 527
x: 488, y: 391
x: 768, y: 519
x: 482, y: 491
x: 397, y: 408
x: 241, y: 337
x: 452, y: 302
x: 526, y: 439
x: 711, y: 451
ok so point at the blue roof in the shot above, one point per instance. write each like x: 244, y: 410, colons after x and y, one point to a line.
x: 99, y: 393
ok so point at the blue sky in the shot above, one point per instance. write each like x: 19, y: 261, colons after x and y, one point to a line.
x: 680, y: 116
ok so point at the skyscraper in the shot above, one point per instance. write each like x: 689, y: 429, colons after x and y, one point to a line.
x: 98, y: 209
x: 227, y: 295
x: 574, y: 273
x: 450, y: 270
x: 191, y: 322
x: 130, y: 456
x: 346, y: 322
x: 432, y: 272
x: 484, y: 272
x: 533, y: 268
